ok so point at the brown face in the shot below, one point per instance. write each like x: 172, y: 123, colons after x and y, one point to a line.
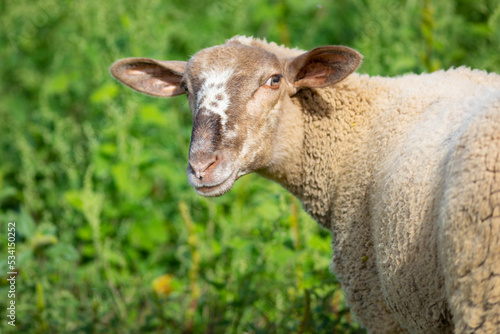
x: 236, y: 93
x: 235, y: 102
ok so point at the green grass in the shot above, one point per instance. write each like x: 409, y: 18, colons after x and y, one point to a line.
x: 110, y: 238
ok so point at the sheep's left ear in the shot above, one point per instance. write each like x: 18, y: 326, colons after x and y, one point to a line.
x: 323, y: 66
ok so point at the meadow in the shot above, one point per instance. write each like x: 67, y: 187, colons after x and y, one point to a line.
x: 109, y: 236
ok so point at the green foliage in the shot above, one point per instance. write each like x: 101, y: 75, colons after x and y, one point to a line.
x: 109, y: 236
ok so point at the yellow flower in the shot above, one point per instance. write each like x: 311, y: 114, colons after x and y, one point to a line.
x: 162, y: 285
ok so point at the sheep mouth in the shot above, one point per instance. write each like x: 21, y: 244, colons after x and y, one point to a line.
x: 219, y: 189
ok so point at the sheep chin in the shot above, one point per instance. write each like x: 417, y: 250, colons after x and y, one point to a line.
x: 219, y: 189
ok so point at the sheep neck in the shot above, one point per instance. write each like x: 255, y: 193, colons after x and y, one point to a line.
x: 330, y: 171
x: 322, y: 168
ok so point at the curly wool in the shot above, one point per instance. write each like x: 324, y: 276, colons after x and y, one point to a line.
x: 385, y: 162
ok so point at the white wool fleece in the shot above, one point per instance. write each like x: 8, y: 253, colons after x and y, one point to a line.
x: 377, y: 156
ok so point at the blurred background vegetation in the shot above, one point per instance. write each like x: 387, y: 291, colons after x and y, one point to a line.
x: 110, y: 238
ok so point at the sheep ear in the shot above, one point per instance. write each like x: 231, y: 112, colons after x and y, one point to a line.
x: 323, y: 66
x: 151, y: 76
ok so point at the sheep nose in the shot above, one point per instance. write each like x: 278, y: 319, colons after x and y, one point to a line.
x: 201, y: 166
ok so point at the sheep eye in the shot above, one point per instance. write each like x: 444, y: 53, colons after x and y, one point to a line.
x: 186, y: 88
x: 274, y: 81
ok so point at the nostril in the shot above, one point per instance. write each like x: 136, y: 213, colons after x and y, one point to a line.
x: 200, y: 167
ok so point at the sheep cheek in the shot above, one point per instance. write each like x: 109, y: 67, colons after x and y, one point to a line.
x: 261, y: 119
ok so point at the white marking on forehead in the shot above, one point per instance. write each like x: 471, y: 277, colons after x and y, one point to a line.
x: 213, y: 95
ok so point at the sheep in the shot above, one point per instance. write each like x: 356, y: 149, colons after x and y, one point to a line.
x: 404, y: 171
